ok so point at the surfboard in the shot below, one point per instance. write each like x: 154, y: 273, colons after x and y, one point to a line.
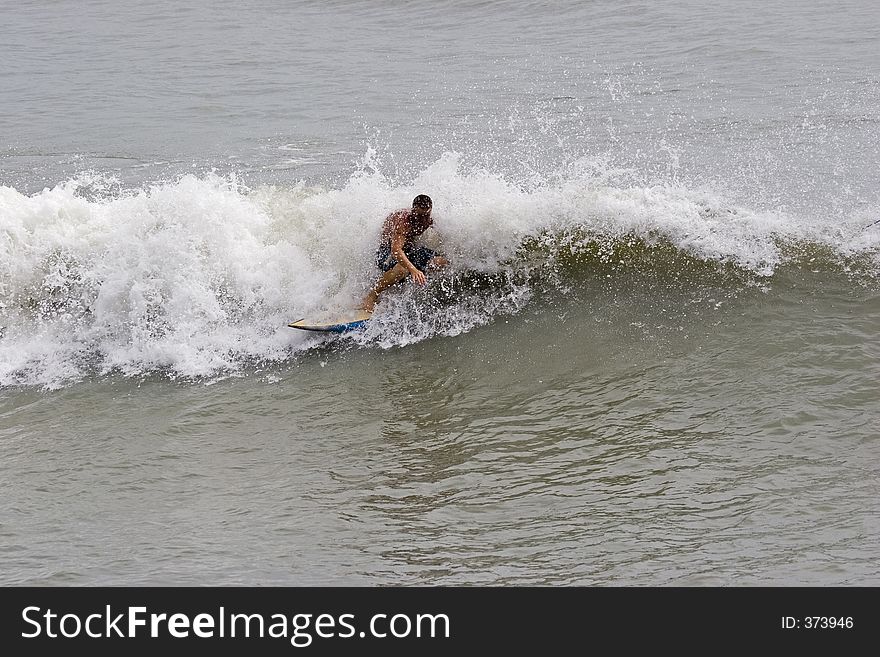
x: 344, y: 324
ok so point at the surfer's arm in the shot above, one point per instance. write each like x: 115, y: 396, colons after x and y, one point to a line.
x: 397, y: 250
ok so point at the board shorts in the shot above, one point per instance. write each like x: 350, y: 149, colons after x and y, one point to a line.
x: 419, y: 256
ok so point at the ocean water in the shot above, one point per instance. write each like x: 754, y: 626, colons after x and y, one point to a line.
x: 653, y: 359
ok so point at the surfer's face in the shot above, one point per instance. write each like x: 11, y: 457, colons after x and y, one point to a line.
x: 422, y: 214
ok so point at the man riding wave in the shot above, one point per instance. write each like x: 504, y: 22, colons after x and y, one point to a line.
x: 398, y: 256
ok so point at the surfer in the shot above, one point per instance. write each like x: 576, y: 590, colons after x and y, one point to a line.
x: 398, y: 255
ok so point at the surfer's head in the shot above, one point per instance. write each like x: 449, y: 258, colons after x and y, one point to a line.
x: 422, y: 205
x: 422, y: 201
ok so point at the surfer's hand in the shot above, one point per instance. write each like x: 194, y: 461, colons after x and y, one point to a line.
x: 419, y: 277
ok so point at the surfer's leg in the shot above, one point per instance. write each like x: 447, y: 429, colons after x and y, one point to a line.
x: 394, y: 275
x: 437, y: 262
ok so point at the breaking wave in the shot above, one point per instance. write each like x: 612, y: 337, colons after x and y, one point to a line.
x: 199, y: 276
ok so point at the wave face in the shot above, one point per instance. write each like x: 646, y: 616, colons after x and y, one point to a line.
x: 198, y: 277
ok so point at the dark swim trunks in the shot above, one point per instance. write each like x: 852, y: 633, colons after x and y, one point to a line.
x: 419, y: 256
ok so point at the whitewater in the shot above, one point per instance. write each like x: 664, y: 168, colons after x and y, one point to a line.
x: 199, y: 276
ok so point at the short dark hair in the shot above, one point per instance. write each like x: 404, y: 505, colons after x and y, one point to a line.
x: 422, y: 201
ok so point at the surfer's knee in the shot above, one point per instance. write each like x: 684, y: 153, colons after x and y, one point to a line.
x: 437, y: 262
x: 395, y: 274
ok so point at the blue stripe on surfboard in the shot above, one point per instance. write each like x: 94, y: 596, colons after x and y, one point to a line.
x: 331, y: 328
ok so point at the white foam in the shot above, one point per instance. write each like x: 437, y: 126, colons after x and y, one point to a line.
x: 198, y: 276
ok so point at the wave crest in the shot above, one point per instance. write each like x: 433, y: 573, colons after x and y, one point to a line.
x: 200, y: 275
